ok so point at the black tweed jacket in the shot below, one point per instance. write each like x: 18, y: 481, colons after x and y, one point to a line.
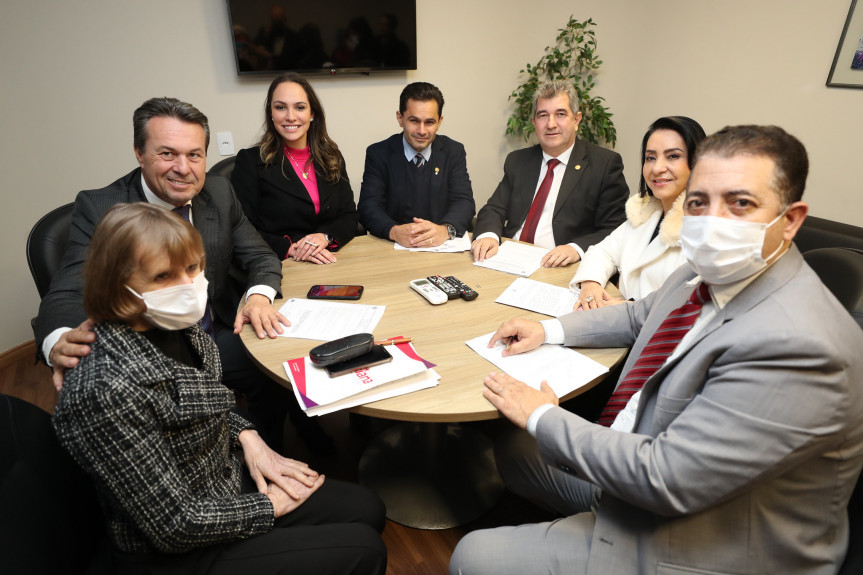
x: 158, y: 437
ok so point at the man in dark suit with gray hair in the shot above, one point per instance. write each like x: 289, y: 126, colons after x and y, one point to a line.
x: 563, y: 194
x: 170, y: 142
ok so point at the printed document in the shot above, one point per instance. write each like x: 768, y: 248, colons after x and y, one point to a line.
x: 515, y: 258
x: 540, y: 297
x: 327, y: 320
x: 461, y: 244
x: 565, y: 369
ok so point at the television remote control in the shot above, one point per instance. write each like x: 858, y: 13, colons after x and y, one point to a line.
x: 465, y: 292
x: 442, y: 284
x: 426, y: 289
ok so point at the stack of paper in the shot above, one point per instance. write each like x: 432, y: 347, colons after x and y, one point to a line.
x: 318, y: 393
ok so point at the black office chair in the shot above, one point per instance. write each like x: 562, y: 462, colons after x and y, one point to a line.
x: 223, y: 168
x: 46, y: 245
x: 841, y: 270
x: 853, y: 564
x: 51, y: 521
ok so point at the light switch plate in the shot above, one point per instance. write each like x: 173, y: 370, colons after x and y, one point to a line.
x: 226, y: 143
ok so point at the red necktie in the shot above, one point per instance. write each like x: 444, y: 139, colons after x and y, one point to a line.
x: 653, y: 356
x: 538, y: 204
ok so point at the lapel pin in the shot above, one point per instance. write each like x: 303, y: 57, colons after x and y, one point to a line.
x: 436, y: 170
x: 578, y: 166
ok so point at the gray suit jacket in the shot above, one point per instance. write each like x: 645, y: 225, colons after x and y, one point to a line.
x: 746, y: 446
x: 228, y: 237
x: 590, y: 204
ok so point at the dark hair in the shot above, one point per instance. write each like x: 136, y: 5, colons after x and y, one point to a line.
x: 322, y: 150
x: 421, y: 92
x: 691, y: 132
x: 126, y: 235
x: 791, y: 163
x: 169, y: 108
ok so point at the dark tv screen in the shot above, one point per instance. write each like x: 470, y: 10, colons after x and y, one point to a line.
x: 323, y: 36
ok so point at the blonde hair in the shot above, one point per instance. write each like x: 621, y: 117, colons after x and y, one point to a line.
x: 127, y: 235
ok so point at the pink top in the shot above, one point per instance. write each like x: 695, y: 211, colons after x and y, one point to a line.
x: 299, y: 159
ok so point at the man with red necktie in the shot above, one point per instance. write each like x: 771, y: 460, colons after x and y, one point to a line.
x: 563, y: 194
x: 735, y: 435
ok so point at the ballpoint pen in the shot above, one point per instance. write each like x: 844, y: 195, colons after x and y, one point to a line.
x: 394, y: 341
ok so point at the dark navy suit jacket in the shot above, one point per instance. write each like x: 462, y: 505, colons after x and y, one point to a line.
x: 386, y: 181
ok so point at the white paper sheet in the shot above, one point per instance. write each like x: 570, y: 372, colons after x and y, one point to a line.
x: 515, y: 258
x: 565, y: 369
x: 327, y: 320
x: 540, y: 297
x: 461, y: 244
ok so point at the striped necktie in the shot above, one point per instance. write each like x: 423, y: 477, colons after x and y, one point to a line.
x: 662, y: 343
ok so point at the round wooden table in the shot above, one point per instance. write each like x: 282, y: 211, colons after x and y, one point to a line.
x: 431, y: 473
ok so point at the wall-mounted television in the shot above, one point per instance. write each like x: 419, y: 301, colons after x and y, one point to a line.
x: 323, y: 36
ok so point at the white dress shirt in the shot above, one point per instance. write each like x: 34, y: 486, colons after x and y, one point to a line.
x: 544, y: 236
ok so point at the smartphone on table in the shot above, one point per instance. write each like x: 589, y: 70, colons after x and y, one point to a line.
x: 378, y: 355
x: 332, y: 291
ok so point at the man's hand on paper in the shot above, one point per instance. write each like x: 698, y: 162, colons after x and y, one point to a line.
x: 265, y: 319
x: 515, y: 399
x: 483, y: 248
x: 560, y: 256
x: 519, y: 335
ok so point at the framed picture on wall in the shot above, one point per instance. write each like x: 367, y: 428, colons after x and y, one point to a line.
x: 847, y: 68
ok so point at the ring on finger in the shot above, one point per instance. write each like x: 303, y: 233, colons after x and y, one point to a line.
x: 589, y: 299
x: 500, y: 390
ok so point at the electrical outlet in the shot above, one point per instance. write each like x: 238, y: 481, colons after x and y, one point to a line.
x: 226, y: 143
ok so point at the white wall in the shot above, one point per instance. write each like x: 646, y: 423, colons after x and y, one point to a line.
x: 70, y: 77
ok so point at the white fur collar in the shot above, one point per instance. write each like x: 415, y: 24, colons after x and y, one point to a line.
x: 639, y: 209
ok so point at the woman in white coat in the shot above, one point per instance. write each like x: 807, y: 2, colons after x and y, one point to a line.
x: 645, y: 249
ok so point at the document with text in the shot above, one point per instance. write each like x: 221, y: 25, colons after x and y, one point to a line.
x: 540, y: 297
x: 327, y: 320
x: 515, y: 258
x: 564, y: 369
x: 461, y: 244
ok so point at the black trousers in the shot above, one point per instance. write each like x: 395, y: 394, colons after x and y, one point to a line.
x: 336, y: 531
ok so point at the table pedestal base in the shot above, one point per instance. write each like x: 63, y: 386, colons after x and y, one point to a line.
x: 432, y: 475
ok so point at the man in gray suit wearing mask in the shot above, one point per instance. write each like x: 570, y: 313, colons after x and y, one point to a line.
x: 734, y: 438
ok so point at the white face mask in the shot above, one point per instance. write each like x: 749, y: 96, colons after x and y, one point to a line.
x: 176, y: 307
x: 722, y: 250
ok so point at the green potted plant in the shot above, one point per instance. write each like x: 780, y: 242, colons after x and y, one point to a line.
x: 572, y: 58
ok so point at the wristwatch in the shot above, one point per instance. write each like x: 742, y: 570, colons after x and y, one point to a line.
x: 450, y: 229
x: 329, y: 238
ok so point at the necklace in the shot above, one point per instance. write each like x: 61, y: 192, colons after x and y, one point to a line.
x: 291, y: 158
